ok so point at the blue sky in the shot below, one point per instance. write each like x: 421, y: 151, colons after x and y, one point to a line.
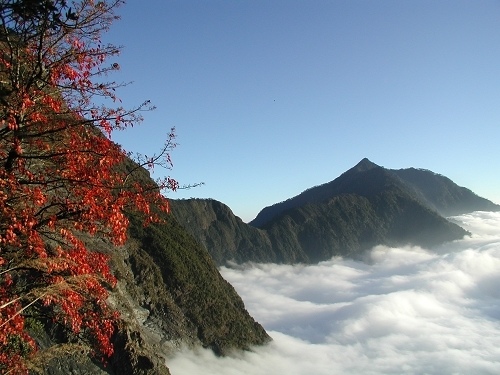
x: 272, y: 97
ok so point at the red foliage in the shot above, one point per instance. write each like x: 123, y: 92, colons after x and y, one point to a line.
x: 60, y: 174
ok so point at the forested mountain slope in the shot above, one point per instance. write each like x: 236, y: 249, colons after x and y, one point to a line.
x: 366, y: 206
x: 442, y: 194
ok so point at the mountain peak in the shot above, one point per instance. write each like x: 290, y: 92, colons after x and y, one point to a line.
x: 364, y: 165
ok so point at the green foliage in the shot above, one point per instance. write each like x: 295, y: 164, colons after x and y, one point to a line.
x: 16, y: 344
x: 35, y: 326
x: 209, y: 303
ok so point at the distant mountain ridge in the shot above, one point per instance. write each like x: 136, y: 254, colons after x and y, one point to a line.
x: 366, y: 206
x: 442, y: 194
x: 434, y: 190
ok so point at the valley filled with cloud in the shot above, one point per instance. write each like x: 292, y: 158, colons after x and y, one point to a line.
x: 397, y: 311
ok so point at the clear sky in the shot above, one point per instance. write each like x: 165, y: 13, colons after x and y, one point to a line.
x: 271, y: 97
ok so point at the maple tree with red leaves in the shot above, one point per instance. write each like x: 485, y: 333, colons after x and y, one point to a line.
x: 60, y: 174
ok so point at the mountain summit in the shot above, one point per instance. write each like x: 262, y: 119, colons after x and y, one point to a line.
x: 364, y: 165
x: 367, y: 205
x: 343, y: 184
x: 366, y: 178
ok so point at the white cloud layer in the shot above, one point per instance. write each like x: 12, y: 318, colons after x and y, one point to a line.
x: 402, y: 311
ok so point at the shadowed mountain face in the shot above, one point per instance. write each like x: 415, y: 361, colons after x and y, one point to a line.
x: 218, y: 229
x: 366, y: 206
x: 442, y: 194
x: 436, y: 192
x: 347, y: 183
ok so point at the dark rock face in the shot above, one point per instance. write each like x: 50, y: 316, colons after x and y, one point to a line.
x: 366, y: 206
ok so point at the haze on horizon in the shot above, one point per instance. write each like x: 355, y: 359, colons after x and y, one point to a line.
x: 270, y: 98
x: 401, y: 311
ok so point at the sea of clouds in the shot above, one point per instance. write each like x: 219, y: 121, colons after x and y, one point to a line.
x: 401, y: 311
